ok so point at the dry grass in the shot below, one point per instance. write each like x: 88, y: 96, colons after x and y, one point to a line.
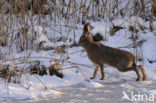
x: 19, y: 16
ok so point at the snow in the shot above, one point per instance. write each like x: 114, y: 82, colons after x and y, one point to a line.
x: 35, y: 89
x: 16, y: 91
x: 87, y: 84
x: 102, y: 28
x: 149, y: 46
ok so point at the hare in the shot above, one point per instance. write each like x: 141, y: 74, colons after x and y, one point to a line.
x: 100, y: 54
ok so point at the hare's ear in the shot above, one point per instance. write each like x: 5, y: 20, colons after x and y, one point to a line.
x: 86, y: 27
x: 90, y: 26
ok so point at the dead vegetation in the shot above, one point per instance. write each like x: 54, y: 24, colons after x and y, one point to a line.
x: 53, y: 69
x: 19, y: 17
x: 97, y: 37
x: 4, y: 70
x: 10, y: 75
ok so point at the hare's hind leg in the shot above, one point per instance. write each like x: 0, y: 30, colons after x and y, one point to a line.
x: 95, y: 72
x: 143, y: 72
x: 137, y: 70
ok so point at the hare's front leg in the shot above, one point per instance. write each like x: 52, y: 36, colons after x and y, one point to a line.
x: 102, y: 72
x: 95, y: 72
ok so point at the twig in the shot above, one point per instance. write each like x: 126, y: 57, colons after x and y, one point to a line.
x: 27, y: 88
x: 76, y: 52
x: 90, y: 67
x: 83, y: 74
x: 45, y: 87
x: 24, y: 58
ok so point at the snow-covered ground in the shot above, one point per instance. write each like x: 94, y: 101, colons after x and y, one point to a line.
x: 34, y: 88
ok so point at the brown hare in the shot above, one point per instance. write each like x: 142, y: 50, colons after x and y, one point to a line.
x: 100, y: 54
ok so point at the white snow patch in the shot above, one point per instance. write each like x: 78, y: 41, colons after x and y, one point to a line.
x: 87, y: 84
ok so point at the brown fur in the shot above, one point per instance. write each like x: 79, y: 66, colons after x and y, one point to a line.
x: 100, y: 54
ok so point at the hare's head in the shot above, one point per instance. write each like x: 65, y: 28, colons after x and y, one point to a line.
x: 87, y: 28
x: 85, y: 36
